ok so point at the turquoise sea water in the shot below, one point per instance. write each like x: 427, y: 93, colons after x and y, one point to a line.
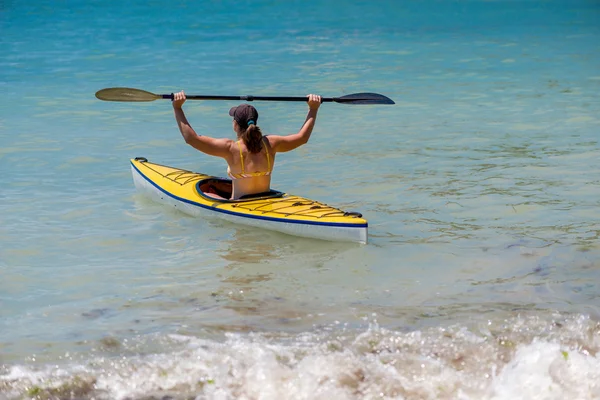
x: 481, y: 187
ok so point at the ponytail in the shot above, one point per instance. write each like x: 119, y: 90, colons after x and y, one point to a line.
x: 252, y: 137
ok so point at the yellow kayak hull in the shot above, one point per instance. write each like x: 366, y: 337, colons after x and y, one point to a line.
x: 276, y: 211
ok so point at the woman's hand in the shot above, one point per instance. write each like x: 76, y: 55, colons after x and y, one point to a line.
x: 314, y: 101
x: 178, y: 99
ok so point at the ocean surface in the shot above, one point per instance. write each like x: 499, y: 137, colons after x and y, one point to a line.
x: 481, y: 187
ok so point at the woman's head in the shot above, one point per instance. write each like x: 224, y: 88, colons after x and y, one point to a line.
x: 246, y: 118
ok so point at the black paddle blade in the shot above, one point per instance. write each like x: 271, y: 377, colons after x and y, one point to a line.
x: 364, y: 98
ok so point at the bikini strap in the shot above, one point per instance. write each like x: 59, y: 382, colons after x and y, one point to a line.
x: 267, y: 151
x: 241, y: 156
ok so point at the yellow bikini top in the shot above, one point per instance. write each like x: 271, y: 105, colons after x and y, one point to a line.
x: 250, y: 174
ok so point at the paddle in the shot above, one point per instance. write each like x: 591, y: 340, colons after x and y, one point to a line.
x: 129, y: 94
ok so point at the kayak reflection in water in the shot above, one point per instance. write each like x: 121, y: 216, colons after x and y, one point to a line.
x: 250, y: 158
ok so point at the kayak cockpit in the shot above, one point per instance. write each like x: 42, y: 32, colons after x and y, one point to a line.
x: 222, y: 187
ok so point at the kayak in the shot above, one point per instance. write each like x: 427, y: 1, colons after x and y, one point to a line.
x: 274, y: 210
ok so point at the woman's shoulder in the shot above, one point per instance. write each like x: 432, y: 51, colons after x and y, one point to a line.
x: 268, y: 139
x: 271, y: 139
x: 274, y: 141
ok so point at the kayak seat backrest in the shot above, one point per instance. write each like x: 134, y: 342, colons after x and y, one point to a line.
x: 222, y: 187
x: 270, y: 193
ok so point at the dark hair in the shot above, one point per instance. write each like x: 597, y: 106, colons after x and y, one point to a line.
x: 252, y: 136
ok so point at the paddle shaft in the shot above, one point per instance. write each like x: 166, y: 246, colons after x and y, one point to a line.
x: 258, y: 98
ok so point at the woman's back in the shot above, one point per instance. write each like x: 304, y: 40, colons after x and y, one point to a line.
x: 250, y: 172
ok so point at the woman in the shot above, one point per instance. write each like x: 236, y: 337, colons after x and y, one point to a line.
x: 250, y: 158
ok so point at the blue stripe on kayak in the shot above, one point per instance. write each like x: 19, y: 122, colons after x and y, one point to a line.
x: 334, y: 224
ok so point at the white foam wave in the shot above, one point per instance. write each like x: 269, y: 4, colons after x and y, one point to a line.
x: 525, y: 360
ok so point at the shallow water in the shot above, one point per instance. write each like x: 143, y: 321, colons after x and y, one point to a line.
x: 481, y: 187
